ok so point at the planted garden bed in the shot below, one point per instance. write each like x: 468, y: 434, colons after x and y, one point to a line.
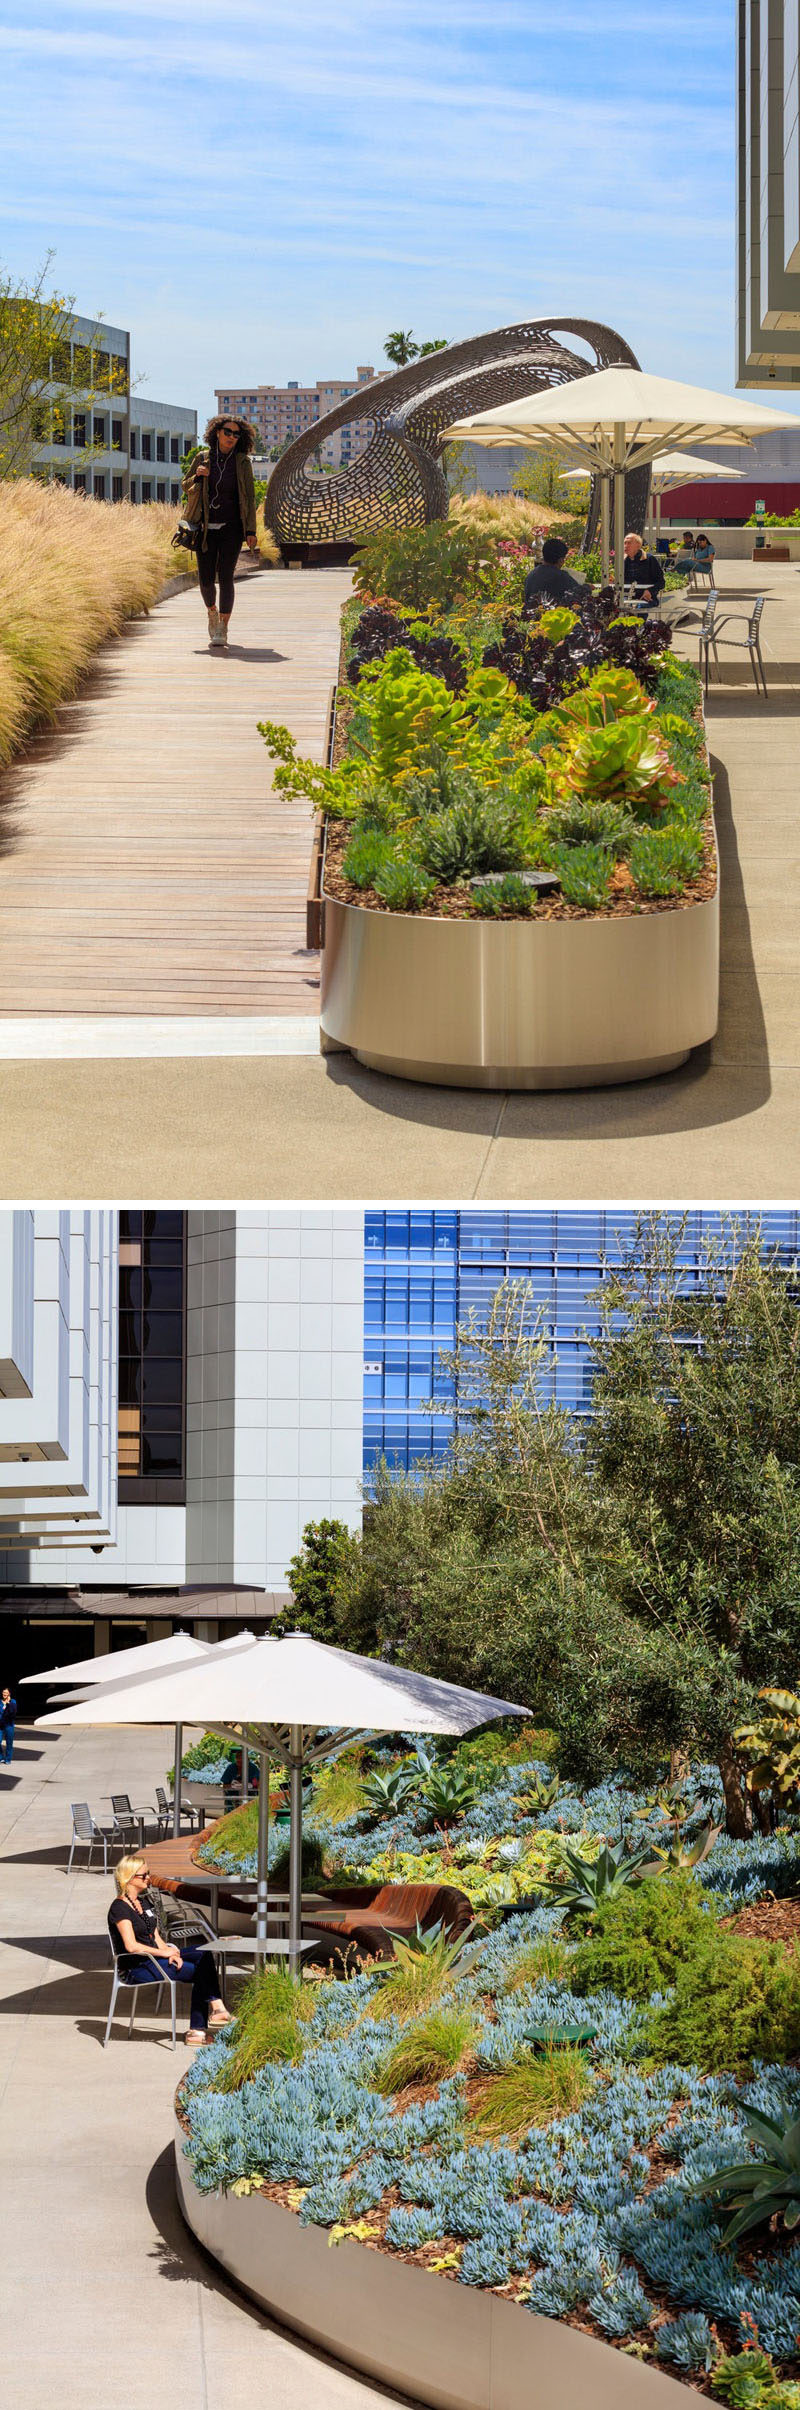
x: 539, y: 2113
x: 520, y: 881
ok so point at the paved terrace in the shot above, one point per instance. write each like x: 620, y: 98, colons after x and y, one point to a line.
x: 259, y: 1123
x: 106, y: 2294
x: 147, y: 865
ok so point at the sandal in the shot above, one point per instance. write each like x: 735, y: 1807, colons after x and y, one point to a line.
x: 218, y: 2021
x: 193, y: 2035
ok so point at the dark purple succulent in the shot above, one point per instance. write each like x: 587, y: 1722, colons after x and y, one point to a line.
x: 379, y: 629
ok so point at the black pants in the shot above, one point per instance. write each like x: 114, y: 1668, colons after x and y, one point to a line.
x: 216, y: 562
x: 196, y: 1967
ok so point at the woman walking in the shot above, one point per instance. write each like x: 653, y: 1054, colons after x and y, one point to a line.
x: 221, y: 503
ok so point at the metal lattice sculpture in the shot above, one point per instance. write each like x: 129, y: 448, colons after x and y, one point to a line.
x: 398, y: 480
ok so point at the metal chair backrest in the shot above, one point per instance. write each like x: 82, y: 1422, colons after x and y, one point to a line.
x: 82, y: 1819
x: 121, y: 1805
x: 162, y: 1798
x: 755, y: 617
x: 707, y: 622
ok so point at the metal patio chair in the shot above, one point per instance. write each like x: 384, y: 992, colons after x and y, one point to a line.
x: 125, y: 1982
x: 86, y: 1828
x: 751, y: 643
x: 163, y: 1811
x: 705, y: 622
x: 128, y: 1820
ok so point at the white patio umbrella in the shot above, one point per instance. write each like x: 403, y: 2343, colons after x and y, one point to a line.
x: 673, y: 468
x: 150, y: 1656
x: 615, y: 421
x: 296, y: 1700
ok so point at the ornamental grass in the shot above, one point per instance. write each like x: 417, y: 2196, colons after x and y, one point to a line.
x: 73, y: 572
x: 435, y: 2047
x: 532, y: 2093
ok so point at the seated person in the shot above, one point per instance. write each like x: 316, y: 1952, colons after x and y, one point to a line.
x: 550, y: 582
x: 684, y: 557
x: 146, y: 1957
x: 642, y: 569
x: 704, y: 552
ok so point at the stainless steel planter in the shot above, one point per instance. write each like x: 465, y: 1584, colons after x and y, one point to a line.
x: 520, y: 1004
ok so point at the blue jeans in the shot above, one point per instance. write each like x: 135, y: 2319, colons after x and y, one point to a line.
x: 196, y: 1967
x: 7, y: 1742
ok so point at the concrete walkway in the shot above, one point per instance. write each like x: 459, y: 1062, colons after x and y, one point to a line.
x: 725, y: 1126
x: 146, y: 864
x: 103, y: 2290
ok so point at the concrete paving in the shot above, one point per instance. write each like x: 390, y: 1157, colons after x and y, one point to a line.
x: 726, y: 1126
x: 105, y: 2293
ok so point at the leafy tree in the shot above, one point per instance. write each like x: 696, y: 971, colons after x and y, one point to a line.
x: 696, y: 1436
x: 540, y: 478
x: 321, y: 1576
x: 34, y: 330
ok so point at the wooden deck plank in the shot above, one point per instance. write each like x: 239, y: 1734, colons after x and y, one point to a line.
x: 146, y: 863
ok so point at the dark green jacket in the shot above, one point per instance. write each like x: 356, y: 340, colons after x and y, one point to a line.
x: 196, y: 504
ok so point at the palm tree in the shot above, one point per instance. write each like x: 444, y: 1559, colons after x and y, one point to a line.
x: 400, y: 348
x: 440, y: 344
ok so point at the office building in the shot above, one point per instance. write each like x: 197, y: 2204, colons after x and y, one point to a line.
x: 282, y: 412
x: 768, y: 193
x: 91, y: 432
x: 181, y: 1393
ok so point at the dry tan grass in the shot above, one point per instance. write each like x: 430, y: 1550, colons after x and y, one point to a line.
x: 73, y: 571
x: 505, y: 514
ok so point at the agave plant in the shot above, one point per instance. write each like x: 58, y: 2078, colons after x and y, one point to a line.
x: 763, y: 2188
x: 771, y: 1747
x: 387, y: 1793
x: 428, y: 1944
x: 539, y: 1795
x: 448, y: 1791
x: 588, y: 1882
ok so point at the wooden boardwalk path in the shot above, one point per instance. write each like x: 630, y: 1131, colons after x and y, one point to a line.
x: 146, y: 865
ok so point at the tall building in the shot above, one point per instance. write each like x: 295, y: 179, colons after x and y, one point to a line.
x: 181, y: 1393
x: 768, y: 193
x: 91, y: 432
x: 281, y: 412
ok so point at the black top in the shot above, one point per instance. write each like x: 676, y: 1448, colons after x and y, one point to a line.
x: 223, y: 490
x: 8, y: 1713
x: 550, y: 584
x: 143, y: 1920
x: 645, y: 571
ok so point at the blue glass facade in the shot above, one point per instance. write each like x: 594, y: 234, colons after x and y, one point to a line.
x: 425, y: 1268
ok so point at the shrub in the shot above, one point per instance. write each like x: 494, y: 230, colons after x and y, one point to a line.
x: 402, y: 883
x: 540, y: 1962
x: 662, y: 860
x: 734, y: 2000
x: 584, y: 873
x: 312, y: 1859
x: 532, y: 2093
x: 368, y: 853
x: 479, y: 834
x: 425, y: 2052
x: 270, y: 2019
x: 638, y: 1941
x: 423, y: 567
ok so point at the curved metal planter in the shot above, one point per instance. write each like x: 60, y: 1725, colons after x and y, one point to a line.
x: 520, y: 1004
x: 445, y: 2344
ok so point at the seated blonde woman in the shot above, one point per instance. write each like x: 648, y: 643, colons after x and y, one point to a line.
x: 148, y: 1958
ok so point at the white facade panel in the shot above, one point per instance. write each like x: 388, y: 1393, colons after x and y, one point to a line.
x: 16, y: 1303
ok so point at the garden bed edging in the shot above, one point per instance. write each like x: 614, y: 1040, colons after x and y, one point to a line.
x: 448, y: 2345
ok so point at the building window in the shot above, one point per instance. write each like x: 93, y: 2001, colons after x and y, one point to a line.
x: 61, y: 364
x: 119, y: 372
x: 174, y: 447
x: 188, y: 444
x: 174, y: 492
x: 79, y: 430
x: 40, y: 422
x: 134, y: 492
x: 58, y: 433
x: 147, y: 446
x: 152, y: 1353
x: 147, y: 490
x: 116, y: 435
x: 118, y: 489
x: 79, y: 482
x: 133, y: 443
x: 100, y: 430
x: 161, y: 447
x: 82, y: 366
x: 99, y: 487
x: 161, y: 491
x: 101, y: 368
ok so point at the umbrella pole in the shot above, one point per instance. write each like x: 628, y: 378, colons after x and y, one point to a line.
x: 176, y: 1788
x: 245, y: 1773
x: 295, y: 1845
x: 605, y: 539
x: 619, y: 510
x: 262, y: 1868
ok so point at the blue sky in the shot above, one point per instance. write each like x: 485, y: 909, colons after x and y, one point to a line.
x: 261, y: 191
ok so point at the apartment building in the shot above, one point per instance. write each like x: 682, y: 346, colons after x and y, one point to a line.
x: 91, y: 432
x: 282, y: 412
x: 768, y: 193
